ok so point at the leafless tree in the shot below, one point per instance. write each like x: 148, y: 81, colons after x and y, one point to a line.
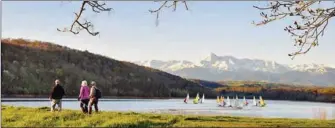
x: 309, y: 26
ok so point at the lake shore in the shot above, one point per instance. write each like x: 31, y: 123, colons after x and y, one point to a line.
x: 125, y: 97
x: 105, y: 97
x: 42, y: 117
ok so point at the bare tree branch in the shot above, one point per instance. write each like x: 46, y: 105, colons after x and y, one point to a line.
x: 86, y: 25
x: 174, y: 5
x: 307, y: 29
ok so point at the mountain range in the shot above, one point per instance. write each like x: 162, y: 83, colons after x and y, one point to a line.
x: 217, y: 68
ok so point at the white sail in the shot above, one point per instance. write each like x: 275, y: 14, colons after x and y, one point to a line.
x: 254, y: 101
x: 236, y: 103
x: 228, y: 101
x: 187, y: 98
x: 203, y: 98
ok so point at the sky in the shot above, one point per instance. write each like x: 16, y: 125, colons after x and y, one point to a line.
x: 129, y: 32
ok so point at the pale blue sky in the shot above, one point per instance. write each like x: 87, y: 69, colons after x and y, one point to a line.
x: 129, y: 33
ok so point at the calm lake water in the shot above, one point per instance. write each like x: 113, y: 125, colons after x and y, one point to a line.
x: 278, y: 109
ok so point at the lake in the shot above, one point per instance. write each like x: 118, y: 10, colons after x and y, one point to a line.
x: 277, y: 109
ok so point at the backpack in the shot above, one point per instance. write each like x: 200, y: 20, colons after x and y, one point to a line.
x: 97, y: 93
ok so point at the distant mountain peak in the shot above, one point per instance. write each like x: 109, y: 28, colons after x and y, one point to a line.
x: 212, y: 54
x: 211, y: 57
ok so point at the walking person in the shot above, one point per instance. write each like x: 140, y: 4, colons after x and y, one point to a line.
x: 84, y: 96
x: 95, y: 94
x: 56, y: 96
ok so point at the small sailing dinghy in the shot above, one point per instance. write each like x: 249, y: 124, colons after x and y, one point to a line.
x: 221, y: 98
x: 221, y: 102
x: 245, y: 102
x: 187, y: 98
x: 202, y: 99
x: 261, y: 102
x: 218, y: 100
x: 196, y: 99
x: 254, y: 102
x: 237, y: 103
x: 228, y: 102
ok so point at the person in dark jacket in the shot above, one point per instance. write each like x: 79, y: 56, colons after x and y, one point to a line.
x: 93, y: 99
x: 56, y: 96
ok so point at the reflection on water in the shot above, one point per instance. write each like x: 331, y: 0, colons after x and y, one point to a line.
x: 282, y: 109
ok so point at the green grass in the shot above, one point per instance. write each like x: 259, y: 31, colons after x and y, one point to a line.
x: 29, y: 117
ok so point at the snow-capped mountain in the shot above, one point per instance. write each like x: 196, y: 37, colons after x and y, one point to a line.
x: 173, y: 65
x: 230, y: 63
x: 215, y: 68
x: 320, y: 68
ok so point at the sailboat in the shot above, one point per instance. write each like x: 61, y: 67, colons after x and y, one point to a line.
x: 254, y: 102
x: 222, y: 102
x: 218, y: 100
x: 228, y: 102
x: 245, y: 102
x: 237, y: 103
x: 261, y: 102
x: 196, y: 99
x: 187, y: 98
x: 202, y: 99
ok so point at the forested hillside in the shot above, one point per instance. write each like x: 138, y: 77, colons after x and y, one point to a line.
x: 30, y: 68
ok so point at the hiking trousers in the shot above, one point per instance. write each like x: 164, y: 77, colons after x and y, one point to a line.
x: 55, y: 102
x: 84, y: 105
x: 93, y: 101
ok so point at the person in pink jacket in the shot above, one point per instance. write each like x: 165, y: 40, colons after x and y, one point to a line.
x: 84, y: 97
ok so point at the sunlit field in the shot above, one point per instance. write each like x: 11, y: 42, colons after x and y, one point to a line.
x: 42, y: 117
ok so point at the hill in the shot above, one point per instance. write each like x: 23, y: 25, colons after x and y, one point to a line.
x: 30, y: 68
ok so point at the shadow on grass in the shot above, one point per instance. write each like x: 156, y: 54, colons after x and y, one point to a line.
x: 43, y: 108
x: 204, y: 119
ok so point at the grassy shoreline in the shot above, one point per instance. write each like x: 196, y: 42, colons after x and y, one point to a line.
x: 133, y: 97
x: 110, y: 97
x: 42, y: 117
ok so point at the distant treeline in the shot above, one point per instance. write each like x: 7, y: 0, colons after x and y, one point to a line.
x: 281, y: 93
x: 273, y: 91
